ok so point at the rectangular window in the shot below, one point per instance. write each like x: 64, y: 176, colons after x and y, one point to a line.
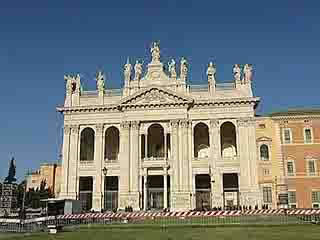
x: 307, y: 135
x: 292, y: 199
x: 266, y: 172
x: 287, y: 136
x: 311, y: 168
x: 267, y: 194
x: 290, y: 168
x: 315, y: 199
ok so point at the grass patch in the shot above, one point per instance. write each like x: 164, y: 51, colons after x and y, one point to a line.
x: 292, y: 232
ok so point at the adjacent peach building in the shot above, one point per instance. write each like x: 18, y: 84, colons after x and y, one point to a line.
x: 50, y: 172
x: 298, y: 158
x: 268, y: 147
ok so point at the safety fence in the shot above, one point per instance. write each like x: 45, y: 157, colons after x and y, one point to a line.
x: 165, y: 219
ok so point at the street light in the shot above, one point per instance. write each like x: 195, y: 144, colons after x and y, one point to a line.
x: 104, y: 171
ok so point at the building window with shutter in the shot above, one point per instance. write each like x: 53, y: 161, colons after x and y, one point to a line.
x: 287, y: 136
x: 290, y: 168
x: 316, y: 199
x: 267, y: 194
x: 311, y: 167
x: 307, y: 135
x: 292, y: 199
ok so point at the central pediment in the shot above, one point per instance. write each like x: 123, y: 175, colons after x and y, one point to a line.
x: 156, y: 96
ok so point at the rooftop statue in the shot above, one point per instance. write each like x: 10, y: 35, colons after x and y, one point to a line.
x: 127, y: 71
x: 237, y: 72
x: 138, y: 70
x: 172, y: 68
x: 100, y: 81
x: 12, y: 173
x: 211, y: 72
x: 247, y: 73
x: 155, y: 52
x: 183, y: 67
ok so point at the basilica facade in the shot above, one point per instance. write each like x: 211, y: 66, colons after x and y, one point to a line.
x: 160, y: 143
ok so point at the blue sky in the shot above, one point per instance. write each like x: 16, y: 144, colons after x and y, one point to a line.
x: 40, y: 41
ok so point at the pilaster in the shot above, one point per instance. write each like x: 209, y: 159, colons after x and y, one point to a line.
x: 134, y: 165
x: 73, y: 163
x: 65, y: 161
x: 124, y: 164
x: 98, y: 162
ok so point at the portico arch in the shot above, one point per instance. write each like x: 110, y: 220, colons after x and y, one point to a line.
x: 201, y: 140
x: 228, y: 140
x: 112, y: 143
x: 156, y: 141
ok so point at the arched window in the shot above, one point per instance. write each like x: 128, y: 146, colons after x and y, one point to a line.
x: 228, y: 138
x: 201, y: 141
x: 264, y: 152
x: 112, y: 140
x: 87, y: 145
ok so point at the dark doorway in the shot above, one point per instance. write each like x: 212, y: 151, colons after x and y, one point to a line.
x: 230, y: 190
x: 203, y: 191
x: 85, y: 192
x: 111, y: 189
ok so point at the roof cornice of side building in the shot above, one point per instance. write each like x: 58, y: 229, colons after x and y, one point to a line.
x: 296, y: 114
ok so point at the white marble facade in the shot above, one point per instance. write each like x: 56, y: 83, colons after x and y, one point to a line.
x: 156, y: 115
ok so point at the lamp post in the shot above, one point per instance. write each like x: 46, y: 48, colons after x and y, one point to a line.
x: 104, y: 171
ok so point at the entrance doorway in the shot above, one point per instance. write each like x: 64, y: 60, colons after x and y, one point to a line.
x: 111, y: 188
x: 230, y: 190
x: 203, y: 192
x: 155, y: 192
x: 85, y: 193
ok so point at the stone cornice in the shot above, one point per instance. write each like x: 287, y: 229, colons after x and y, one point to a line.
x: 87, y: 109
x: 227, y: 102
x: 184, y: 102
x: 295, y: 117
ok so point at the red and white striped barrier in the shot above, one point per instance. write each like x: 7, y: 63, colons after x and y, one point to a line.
x: 191, y: 214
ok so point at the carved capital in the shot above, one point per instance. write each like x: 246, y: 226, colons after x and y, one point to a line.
x: 214, y: 123
x: 185, y: 123
x: 242, y: 122
x: 74, y: 129
x: 174, y: 124
x: 66, y: 130
x: 125, y: 125
x: 135, y: 125
x: 99, y: 129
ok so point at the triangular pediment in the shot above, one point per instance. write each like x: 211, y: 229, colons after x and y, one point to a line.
x: 156, y: 96
x: 264, y: 139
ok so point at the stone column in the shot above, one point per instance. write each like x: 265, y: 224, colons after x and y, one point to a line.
x: 185, y: 176
x: 249, y: 188
x: 73, y: 188
x: 146, y: 145
x: 124, y: 164
x: 215, y: 155
x: 175, y: 164
x: 145, y: 189
x: 193, y: 191
x: 65, y: 161
x: 98, y: 162
x: 165, y: 146
x: 175, y: 155
x: 134, y: 169
x: 183, y: 198
x: 165, y: 187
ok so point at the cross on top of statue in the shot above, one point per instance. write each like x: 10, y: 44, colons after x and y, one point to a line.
x: 12, y: 172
